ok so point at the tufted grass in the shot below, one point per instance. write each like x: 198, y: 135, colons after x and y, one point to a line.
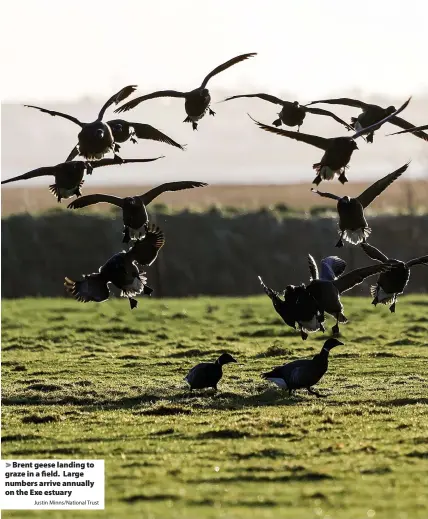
x: 100, y: 381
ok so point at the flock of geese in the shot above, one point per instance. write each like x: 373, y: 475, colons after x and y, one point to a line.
x: 302, y: 307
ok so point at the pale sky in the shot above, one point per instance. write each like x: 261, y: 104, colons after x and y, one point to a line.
x: 61, y: 50
x: 73, y: 55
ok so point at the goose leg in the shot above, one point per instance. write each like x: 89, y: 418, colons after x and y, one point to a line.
x: 335, y: 330
x: 342, y: 177
x: 303, y: 334
x: 317, y: 180
x: 211, y: 112
x: 392, y: 307
x: 133, y: 303
x: 313, y: 392
x: 194, y: 125
x: 340, y: 242
x: 116, y: 147
x: 277, y: 122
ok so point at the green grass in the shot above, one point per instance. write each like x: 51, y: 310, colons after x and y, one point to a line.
x: 100, y: 381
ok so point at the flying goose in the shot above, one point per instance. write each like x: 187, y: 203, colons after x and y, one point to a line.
x: 134, y: 210
x: 371, y: 114
x: 304, y: 373
x: 338, y: 150
x: 298, y: 306
x: 69, y: 175
x: 197, y: 101
x: 292, y: 113
x: 122, y: 270
x: 125, y: 130
x: 94, y: 139
x: 352, y: 221
x: 392, y: 283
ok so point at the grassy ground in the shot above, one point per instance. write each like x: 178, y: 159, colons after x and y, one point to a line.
x: 97, y: 381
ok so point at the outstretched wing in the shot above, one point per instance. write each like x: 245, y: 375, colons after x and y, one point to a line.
x: 117, y: 98
x: 225, y: 66
x: 377, y: 125
x: 314, y: 140
x: 422, y: 260
x: 169, y: 186
x: 408, y: 127
x: 367, y: 196
x: 325, y: 195
x: 60, y: 114
x: 332, y: 267
x: 320, y: 111
x: 374, y: 253
x: 412, y: 129
x: 160, y: 93
x: 84, y: 201
x: 73, y: 154
x: 313, y: 269
x: 343, y: 101
x: 146, y: 131
x: 357, y: 276
x: 119, y: 162
x: 39, y: 172
x: 146, y: 250
x: 91, y: 288
x: 265, y: 97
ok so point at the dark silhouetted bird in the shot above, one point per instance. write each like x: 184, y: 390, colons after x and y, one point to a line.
x: 298, y: 306
x: 122, y: 270
x: 352, y: 221
x: 94, y: 139
x: 392, y: 283
x: 372, y: 114
x: 338, y: 150
x: 304, y: 373
x: 134, y: 207
x: 197, y: 101
x: 124, y: 131
x: 208, y: 374
x: 69, y: 175
x: 417, y: 130
x: 326, y: 287
x: 292, y: 113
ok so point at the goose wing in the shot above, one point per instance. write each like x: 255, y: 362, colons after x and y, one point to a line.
x: 357, y: 276
x: 332, y: 267
x: 84, y: 201
x: 118, y: 162
x: 265, y: 97
x: 422, y: 260
x: 367, y: 196
x: 313, y: 269
x: 154, y: 95
x: 408, y: 127
x: 325, y: 195
x: 39, y: 172
x: 343, y: 101
x: 169, y: 186
x: 320, y: 111
x: 374, y: 253
x: 146, y: 131
x: 313, y: 140
x: 225, y: 66
x: 59, y: 114
x: 117, y: 98
x: 413, y: 129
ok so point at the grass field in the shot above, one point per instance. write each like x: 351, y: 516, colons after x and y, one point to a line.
x: 401, y: 196
x: 100, y: 381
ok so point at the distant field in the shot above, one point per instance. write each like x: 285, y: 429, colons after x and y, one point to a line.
x: 100, y: 381
x: 398, y: 196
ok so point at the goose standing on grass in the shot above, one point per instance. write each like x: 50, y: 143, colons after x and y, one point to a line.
x: 208, y: 374
x: 292, y: 113
x: 392, y: 283
x: 197, y: 101
x: 94, y: 139
x: 123, y: 131
x: 122, y: 270
x: 352, y: 221
x: 298, y: 306
x: 69, y: 175
x: 417, y: 130
x: 303, y: 374
x: 371, y: 114
x: 338, y: 150
x: 326, y: 287
x: 133, y: 208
